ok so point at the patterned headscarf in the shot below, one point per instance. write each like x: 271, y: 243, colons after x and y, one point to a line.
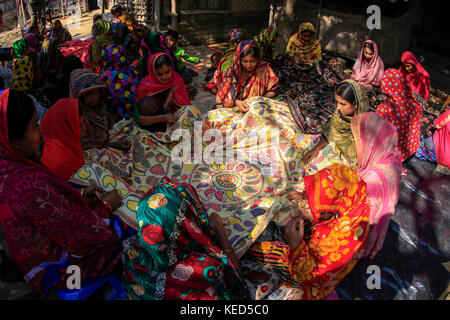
x: 339, y: 129
x: 22, y: 69
x: 19, y: 48
x: 121, y: 78
x: 83, y: 81
x: 260, y: 81
x: 235, y: 36
x: 307, y: 51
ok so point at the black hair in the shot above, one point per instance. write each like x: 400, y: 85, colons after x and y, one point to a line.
x: 370, y: 46
x: 217, y: 55
x: 254, y: 51
x: 116, y: 9
x: 172, y: 33
x: 345, y: 91
x: 69, y: 64
x: 2, y: 84
x: 20, y: 111
x: 162, y: 60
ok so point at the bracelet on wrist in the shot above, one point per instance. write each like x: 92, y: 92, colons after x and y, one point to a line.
x: 108, y: 205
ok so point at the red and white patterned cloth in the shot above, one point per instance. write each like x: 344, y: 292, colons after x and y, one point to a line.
x: 402, y: 110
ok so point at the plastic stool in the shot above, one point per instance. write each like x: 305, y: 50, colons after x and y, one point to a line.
x: 90, y: 286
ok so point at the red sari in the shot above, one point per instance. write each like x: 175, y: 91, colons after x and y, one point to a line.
x: 334, y: 240
x: 152, y: 85
x: 418, y: 81
x: 61, y: 132
x: 402, y: 111
x: 47, y: 224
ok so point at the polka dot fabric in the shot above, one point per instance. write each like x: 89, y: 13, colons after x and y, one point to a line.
x: 401, y: 110
x: 121, y: 78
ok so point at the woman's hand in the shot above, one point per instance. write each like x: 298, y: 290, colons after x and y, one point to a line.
x: 90, y: 194
x: 310, y: 155
x: 242, y: 106
x: 170, y: 118
x: 297, y: 59
x: 295, y: 195
x: 113, y: 198
x: 294, y: 232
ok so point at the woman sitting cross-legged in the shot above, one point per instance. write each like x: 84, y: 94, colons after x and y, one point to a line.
x: 248, y: 77
x: 303, y: 46
x: 160, y: 94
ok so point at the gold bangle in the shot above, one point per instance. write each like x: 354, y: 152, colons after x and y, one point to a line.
x: 108, y: 205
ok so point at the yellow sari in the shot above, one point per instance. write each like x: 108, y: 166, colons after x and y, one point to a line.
x: 307, y: 51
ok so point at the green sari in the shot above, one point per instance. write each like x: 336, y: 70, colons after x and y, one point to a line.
x: 175, y: 254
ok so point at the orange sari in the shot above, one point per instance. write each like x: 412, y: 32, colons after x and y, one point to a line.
x: 260, y: 81
x: 334, y: 240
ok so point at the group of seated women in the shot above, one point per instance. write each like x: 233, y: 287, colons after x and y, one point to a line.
x: 338, y: 213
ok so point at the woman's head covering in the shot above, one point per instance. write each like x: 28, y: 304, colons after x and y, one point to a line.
x: 419, y: 81
x: 60, y: 36
x: 103, y: 37
x: 152, y: 85
x: 7, y: 77
x: 61, y: 132
x: 6, y: 150
x: 19, y: 48
x: 307, y: 50
x: 260, y: 81
x: 368, y: 72
x: 142, y: 30
x: 308, y: 26
x: 83, y: 81
x: 22, y: 69
x: 379, y: 165
x: 121, y: 78
x: 32, y: 41
x: 102, y: 26
x: 402, y: 110
x: 235, y: 36
x: 338, y: 128
x: 153, y: 43
x: 266, y: 42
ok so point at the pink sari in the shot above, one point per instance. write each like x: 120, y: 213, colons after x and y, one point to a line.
x: 368, y: 72
x: 379, y: 165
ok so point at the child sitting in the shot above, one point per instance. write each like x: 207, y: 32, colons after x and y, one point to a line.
x: 180, y: 54
x: 211, y: 84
